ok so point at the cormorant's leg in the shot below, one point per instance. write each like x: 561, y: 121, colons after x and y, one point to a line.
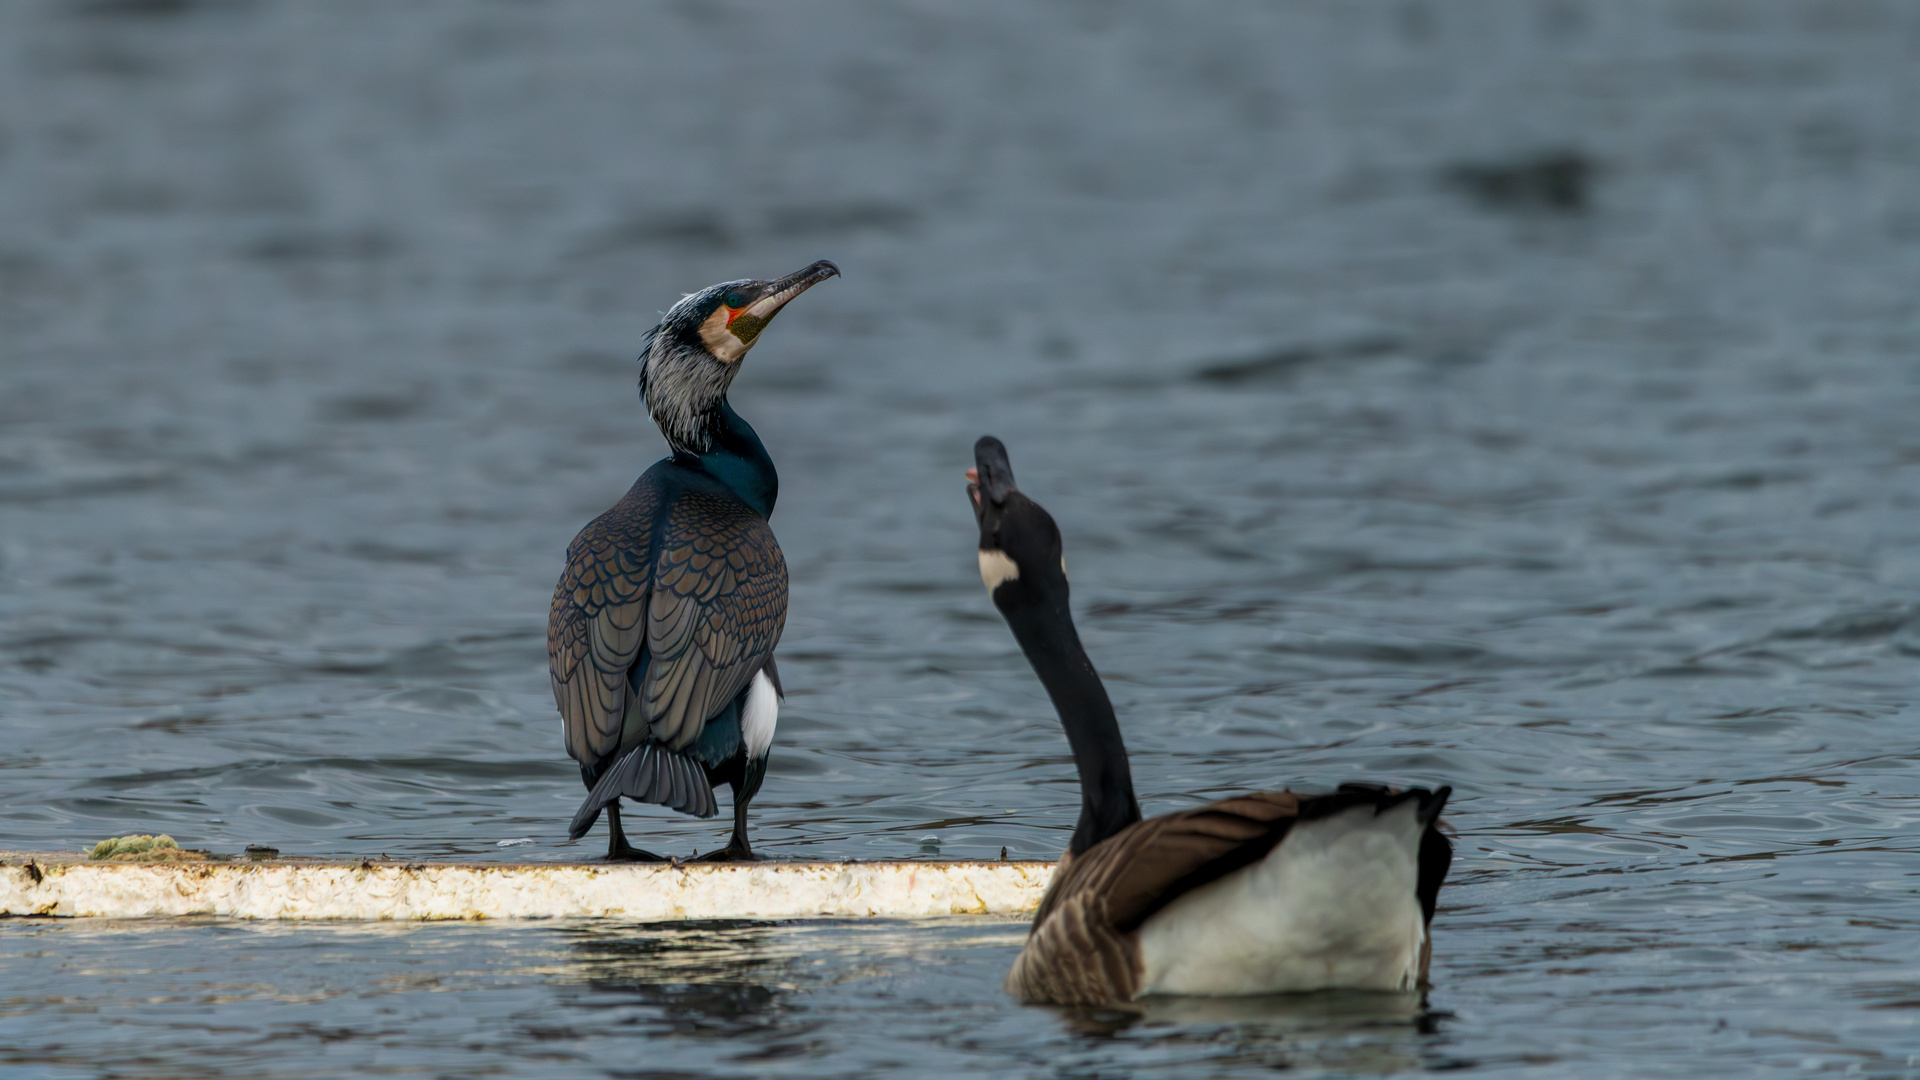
x: 738, y: 849
x: 618, y: 850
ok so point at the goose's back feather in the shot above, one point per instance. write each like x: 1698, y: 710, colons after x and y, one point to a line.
x: 1196, y: 890
x: 1083, y: 949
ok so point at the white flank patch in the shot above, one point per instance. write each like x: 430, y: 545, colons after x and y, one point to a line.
x: 996, y: 567
x: 760, y: 714
x: 1332, y: 907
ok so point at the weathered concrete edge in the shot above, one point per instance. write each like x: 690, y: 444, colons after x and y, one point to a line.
x: 66, y: 886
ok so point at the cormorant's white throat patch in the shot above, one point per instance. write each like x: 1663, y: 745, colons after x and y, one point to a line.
x: 996, y: 567
x: 719, y: 338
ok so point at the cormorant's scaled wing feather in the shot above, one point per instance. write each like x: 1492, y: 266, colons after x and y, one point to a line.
x: 719, y: 603
x: 1082, y: 950
x: 596, y: 624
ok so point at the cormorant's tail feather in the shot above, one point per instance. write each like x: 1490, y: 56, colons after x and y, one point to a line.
x: 651, y: 774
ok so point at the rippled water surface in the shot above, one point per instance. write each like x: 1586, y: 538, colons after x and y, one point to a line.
x: 1516, y: 397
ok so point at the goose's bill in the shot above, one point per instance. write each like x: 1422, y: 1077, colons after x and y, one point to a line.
x: 992, y: 472
x: 973, y: 487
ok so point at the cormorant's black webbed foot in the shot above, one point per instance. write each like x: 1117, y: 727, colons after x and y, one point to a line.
x: 737, y: 851
x: 618, y: 850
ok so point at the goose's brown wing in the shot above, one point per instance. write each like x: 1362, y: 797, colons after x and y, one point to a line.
x: 595, y: 624
x: 718, y: 605
x: 1082, y: 950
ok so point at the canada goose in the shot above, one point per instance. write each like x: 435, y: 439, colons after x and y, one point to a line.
x: 661, y: 634
x: 1266, y: 892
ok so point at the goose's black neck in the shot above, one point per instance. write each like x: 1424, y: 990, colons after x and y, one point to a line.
x: 736, y: 457
x: 1046, y: 634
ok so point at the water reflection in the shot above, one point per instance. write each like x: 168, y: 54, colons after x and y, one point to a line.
x: 1336, y: 1009
x: 719, y: 979
x: 1342, y: 1030
x: 756, y: 991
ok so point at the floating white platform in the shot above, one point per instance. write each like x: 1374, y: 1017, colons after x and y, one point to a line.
x: 73, y: 886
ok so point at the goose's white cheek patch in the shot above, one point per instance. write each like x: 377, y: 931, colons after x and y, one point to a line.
x: 996, y: 567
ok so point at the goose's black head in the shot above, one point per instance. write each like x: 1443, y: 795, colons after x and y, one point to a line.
x: 1021, y: 565
x: 690, y: 359
x: 1020, y: 554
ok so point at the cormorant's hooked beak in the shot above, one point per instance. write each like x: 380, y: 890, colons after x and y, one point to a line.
x: 730, y: 331
x: 779, y: 292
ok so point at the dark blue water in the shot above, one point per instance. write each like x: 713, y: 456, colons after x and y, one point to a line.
x: 1521, y: 398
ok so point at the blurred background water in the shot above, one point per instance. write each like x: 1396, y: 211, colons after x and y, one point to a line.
x: 1520, y: 397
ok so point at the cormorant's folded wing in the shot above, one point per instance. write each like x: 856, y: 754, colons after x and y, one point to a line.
x: 596, y: 624
x: 718, y: 605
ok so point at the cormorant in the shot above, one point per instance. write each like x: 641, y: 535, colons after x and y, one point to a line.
x: 661, y: 635
x: 1265, y: 892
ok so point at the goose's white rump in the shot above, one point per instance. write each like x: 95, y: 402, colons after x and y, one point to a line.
x: 1333, y: 905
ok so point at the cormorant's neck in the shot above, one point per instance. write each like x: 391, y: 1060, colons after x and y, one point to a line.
x: 1045, y: 632
x: 736, y: 457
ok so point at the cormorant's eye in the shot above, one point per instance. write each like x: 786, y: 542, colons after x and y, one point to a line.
x: 734, y: 300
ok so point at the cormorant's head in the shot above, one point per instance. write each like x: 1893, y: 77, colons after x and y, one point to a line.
x: 1021, y: 561
x: 691, y: 357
